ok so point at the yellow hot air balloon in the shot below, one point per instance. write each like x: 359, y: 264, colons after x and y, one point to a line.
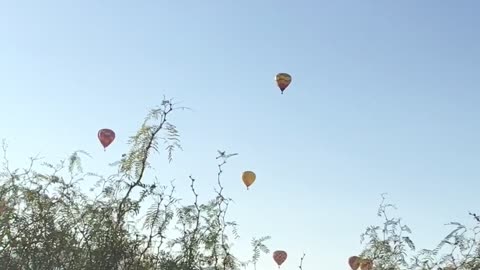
x: 248, y: 178
x: 283, y: 80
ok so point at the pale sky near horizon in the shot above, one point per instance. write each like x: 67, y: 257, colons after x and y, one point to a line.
x: 385, y: 98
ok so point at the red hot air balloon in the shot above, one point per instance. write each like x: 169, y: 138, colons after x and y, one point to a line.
x: 354, y: 262
x: 106, y: 137
x: 279, y: 257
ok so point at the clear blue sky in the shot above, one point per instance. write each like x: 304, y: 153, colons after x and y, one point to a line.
x: 385, y: 98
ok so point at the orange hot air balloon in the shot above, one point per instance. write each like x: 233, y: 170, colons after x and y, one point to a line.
x: 106, y: 137
x: 279, y: 257
x: 283, y: 80
x: 248, y: 178
x: 366, y: 264
x: 354, y: 262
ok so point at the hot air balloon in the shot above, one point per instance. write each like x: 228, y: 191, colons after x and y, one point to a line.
x: 106, y: 137
x: 283, y: 80
x: 366, y: 264
x: 248, y: 178
x: 279, y: 257
x: 354, y: 262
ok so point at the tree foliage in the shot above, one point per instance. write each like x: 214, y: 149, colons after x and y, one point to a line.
x: 48, y: 222
x: 129, y: 221
x: 391, y: 247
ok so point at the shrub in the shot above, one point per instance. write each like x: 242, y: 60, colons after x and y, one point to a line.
x: 48, y: 222
x: 390, y: 247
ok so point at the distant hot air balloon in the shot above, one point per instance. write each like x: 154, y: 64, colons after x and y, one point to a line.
x: 366, y: 264
x: 106, y: 137
x: 279, y: 257
x: 248, y: 178
x: 283, y: 80
x: 354, y: 262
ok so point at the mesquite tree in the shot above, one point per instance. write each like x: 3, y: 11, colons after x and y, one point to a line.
x: 390, y: 246
x: 130, y: 221
x: 48, y: 222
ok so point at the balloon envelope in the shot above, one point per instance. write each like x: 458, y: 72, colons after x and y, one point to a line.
x: 283, y: 80
x: 354, y: 262
x: 248, y: 178
x: 366, y: 264
x: 106, y: 137
x: 279, y: 257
